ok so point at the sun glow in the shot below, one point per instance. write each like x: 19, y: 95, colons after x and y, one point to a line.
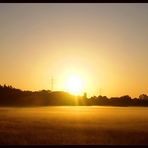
x: 75, y: 85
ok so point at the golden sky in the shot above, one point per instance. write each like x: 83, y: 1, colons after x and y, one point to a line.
x: 105, y: 44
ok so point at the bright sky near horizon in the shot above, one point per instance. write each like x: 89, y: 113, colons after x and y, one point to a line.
x: 105, y: 44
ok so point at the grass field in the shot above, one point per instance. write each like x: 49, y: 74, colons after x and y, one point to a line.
x: 74, y: 125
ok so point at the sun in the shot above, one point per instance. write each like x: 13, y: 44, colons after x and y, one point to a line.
x: 75, y: 85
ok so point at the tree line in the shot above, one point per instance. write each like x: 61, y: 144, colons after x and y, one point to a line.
x: 10, y: 96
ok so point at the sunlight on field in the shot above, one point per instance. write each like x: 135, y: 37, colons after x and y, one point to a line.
x: 74, y: 125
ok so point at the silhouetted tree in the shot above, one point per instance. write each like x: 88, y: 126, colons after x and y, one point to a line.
x: 10, y: 96
x: 143, y: 97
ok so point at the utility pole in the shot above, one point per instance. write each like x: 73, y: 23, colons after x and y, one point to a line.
x: 52, y: 83
x: 100, y: 91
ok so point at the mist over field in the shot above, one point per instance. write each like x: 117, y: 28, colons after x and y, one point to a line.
x: 74, y: 125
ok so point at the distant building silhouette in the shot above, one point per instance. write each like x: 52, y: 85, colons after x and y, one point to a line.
x: 85, y: 95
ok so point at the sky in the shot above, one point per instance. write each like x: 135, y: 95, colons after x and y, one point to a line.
x: 106, y: 44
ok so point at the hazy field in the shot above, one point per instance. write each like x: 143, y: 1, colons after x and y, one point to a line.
x: 74, y: 125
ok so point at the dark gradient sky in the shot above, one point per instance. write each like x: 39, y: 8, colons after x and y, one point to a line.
x: 104, y: 43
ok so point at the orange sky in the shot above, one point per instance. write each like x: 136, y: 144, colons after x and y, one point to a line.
x: 106, y: 44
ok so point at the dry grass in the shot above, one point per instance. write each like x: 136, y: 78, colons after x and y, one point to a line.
x: 74, y: 125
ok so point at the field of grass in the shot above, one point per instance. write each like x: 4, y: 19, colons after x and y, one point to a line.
x: 74, y: 125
